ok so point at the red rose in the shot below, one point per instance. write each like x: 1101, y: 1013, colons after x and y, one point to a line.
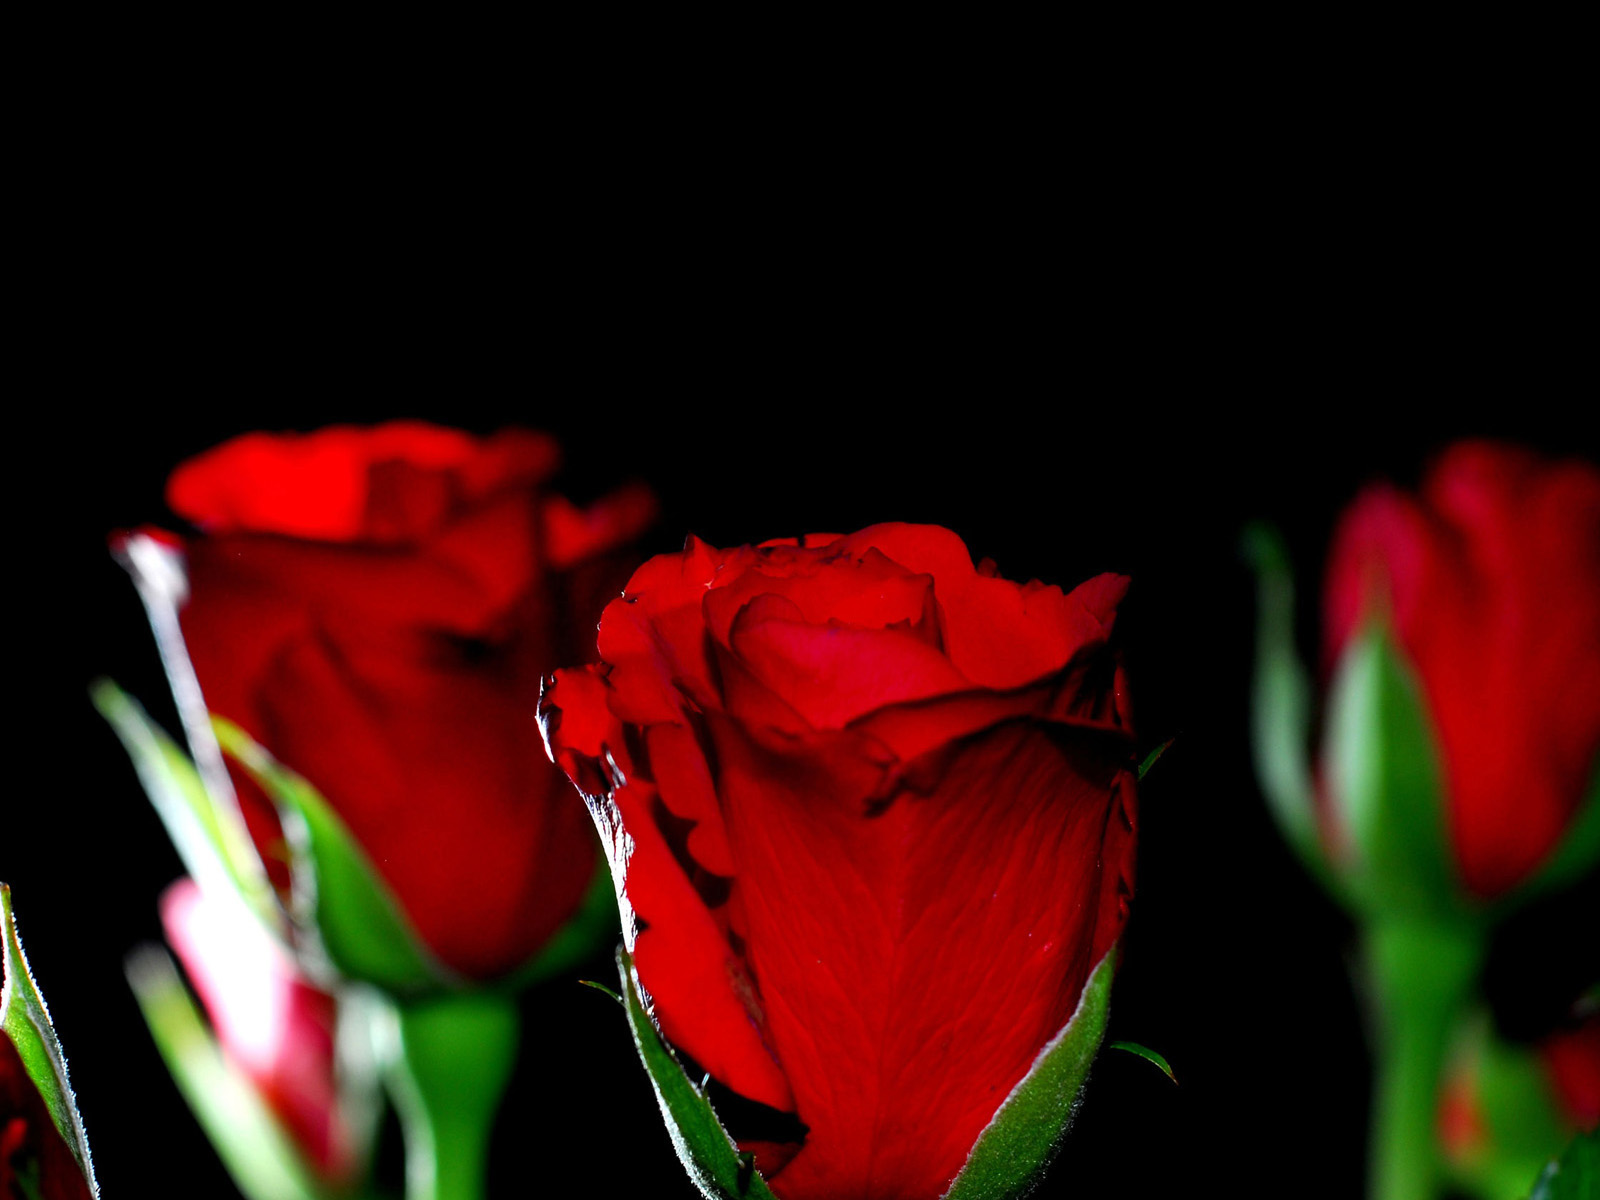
x: 1572, y: 1060
x: 870, y: 814
x: 272, y: 1024
x: 30, y: 1146
x: 376, y: 608
x: 1490, y: 580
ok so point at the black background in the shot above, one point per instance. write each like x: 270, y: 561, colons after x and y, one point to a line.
x: 1105, y: 397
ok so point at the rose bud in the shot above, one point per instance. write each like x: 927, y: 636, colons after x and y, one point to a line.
x: 374, y: 609
x: 43, y: 1153
x: 1506, y: 1109
x: 870, y: 814
x: 1487, y: 585
x: 1462, y: 644
x: 274, y: 1028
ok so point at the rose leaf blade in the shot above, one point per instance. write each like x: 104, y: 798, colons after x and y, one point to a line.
x: 1575, y: 1175
x: 25, y: 1020
x: 1154, y: 757
x: 338, y: 893
x: 257, y: 1151
x: 1021, y: 1139
x: 1154, y: 1057
x: 213, y: 845
x: 704, y: 1147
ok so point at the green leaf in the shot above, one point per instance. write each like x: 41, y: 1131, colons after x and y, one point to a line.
x: 338, y: 894
x: 1149, y: 1055
x: 1384, y: 778
x: 257, y: 1151
x: 26, y: 1021
x: 1020, y: 1141
x: 1575, y: 1175
x: 1280, y: 706
x: 1153, y: 757
x: 704, y: 1147
x: 208, y: 833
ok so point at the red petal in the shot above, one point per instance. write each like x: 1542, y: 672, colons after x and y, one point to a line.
x: 321, y: 485
x: 997, y: 633
x: 913, y: 963
x: 484, y: 846
x: 699, y: 991
x: 1492, y: 580
x: 574, y: 534
x: 832, y: 673
x: 863, y: 588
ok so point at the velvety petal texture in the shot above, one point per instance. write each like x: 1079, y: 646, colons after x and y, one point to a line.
x: 376, y: 607
x: 871, y: 812
x: 1490, y: 579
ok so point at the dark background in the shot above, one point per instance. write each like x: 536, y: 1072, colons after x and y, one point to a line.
x: 1110, y: 396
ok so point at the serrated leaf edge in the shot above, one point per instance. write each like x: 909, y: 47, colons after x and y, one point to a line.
x: 19, y: 981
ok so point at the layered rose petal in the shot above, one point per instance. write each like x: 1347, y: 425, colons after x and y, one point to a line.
x: 345, y: 484
x: 699, y: 990
x: 888, y: 947
x: 832, y: 673
x: 872, y: 815
x: 376, y: 607
x: 1491, y: 581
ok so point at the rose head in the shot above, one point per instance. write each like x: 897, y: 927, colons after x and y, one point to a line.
x: 376, y: 607
x: 870, y: 813
x: 1489, y: 583
x: 271, y: 1023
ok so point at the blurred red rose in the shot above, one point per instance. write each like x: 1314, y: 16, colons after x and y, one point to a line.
x: 871, y: 817
x: 31, y: 1149
x: 272, y: 1023
x: 1490, y: 579
x: 1572, y: 1060
x: 376, y: 608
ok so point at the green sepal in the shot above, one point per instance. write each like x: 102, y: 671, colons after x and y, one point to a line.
x: 710, y: 1156
x: 208, y: 833
x: 1154, y: 1057
x: 595, y: 924
x: 1018, y: 1144
x: 1280, y: 708
x: 252, y: 1143
x: 337, y: 893
x: 25, y: 1020
x: 1575, y: 1175
x: 1384, y: 780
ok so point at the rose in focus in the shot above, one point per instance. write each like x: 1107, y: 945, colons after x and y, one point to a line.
x: 870, y: 812
x: 1488, y: 580
x: 376, y: 608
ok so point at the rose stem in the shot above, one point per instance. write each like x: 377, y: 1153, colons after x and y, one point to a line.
x: 455, y: 1057
x: 1424, y: 972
